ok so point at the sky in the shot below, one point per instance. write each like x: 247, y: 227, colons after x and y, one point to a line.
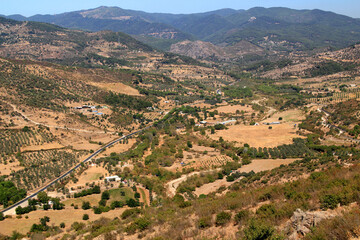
x: 32, y: 7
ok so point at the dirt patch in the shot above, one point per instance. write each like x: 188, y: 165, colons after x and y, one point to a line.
x: 46, y: 146
x: 259, y: 136
x: 234, y: 109
x: 117, y: 87
x: 8, y: 168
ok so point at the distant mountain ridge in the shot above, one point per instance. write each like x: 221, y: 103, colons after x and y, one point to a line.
x: 270, y: 28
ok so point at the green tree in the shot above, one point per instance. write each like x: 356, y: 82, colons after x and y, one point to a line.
x: 85, y: 205
x: 43, y: 197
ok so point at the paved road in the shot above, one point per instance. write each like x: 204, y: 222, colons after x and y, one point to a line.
x: 12, y: 208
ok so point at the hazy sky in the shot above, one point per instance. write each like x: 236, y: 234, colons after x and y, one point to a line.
x: 32, y: 7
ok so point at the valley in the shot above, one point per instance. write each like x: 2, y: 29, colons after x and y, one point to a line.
x: 228, y: 133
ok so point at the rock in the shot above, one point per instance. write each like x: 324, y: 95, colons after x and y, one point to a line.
x: 301, y: 222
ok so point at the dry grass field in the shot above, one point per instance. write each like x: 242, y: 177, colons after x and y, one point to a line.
x: 67, y: 216
x: 117, y: 87
x: 261, y: 135
x: 92, y: 174
x: 258, y: 136
x: 234, y: 108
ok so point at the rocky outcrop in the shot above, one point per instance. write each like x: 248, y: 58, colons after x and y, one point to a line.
x: 301, y: 222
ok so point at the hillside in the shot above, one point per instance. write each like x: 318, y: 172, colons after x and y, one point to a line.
x: 42, y: 41
x: 233, y: 134
x: 271, y: 28
x: 207, y: 50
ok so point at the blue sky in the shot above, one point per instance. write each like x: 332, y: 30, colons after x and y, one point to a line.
x: 32, y: 7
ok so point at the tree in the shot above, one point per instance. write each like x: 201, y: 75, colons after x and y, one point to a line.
x: 85, y: 217
x: 189, y: 144
x: 57, y: 205
x: 105, y: 195
x: 1, y: 216
x: 62, y: 225
x: 86, y: 205
x: 43, y: 197
x: 132, y: 203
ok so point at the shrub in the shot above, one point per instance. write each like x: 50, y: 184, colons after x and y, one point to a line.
x: 142, y: 223
x: 130, y: 212
x: 258, y: 230
x: 266, y: 210
x: 222, y: 218
x: 77, y: 226
x: 132, y: 203
x: 85, y: 217
x: 137, y: 195
x: 97, y: 210
x: 105, y: 195
x: 241, y: 216
x: 204, y: 222
x: 102, y: 202
x: 62, y: 225
x: 86, y: 205
x: 117, y: 204
x: 329, y: 201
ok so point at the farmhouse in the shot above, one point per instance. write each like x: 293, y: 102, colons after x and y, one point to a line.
x: 114, y: 178
x: 232, y: 121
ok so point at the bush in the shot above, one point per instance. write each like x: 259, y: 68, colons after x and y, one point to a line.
x: 132, y: 203
x: 86, y: 205
x: 241, y: 216
x: 62, y: 225
x: 204, y: 222
x: 137, y: 195
x: 329, y: 201
x: 130, y: 212
x: 85, y: 217
x: 105, y: 195
x: 117, y: 204
x: 102, y: 202
x: 142, y: 223
x: 1, y: 216
x: 222, y: 218
x: 258, y: 230
x: 97, y: 210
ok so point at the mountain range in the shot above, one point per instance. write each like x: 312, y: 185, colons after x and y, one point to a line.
x: 270, y: 28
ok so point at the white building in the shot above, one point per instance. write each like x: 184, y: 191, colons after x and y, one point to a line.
x: 113, y: 179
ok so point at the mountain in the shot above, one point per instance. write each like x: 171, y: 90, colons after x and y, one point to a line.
x: 47, y: 42
x: 271, y: 28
